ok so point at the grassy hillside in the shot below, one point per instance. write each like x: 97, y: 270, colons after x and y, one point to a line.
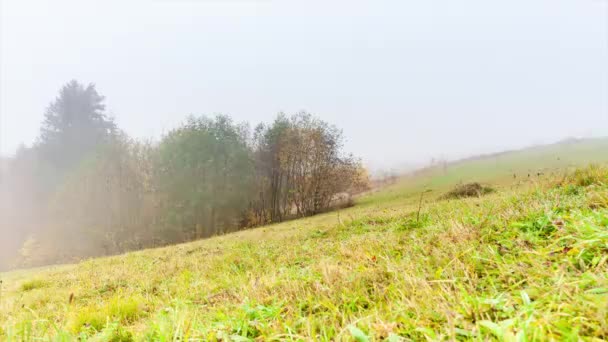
x: 509, y: 168
x: 528, y: 262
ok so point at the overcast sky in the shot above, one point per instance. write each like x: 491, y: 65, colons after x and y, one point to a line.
x: 405, y: 80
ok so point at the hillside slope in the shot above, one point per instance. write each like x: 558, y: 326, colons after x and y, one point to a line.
x: 530, y: 260
x: 511, y: 167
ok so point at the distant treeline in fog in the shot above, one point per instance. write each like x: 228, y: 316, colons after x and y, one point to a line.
x: 85, y: 188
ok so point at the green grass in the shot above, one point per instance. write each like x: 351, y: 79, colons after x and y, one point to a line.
x: 525, y: 165
x: 32, y: 285
x: 527, y: 262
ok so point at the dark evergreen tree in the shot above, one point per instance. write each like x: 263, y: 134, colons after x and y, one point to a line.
x: 74, y: 125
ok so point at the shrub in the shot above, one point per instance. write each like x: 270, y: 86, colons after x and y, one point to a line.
x: 467, y: 190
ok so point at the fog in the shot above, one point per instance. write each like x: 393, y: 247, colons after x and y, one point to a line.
x: 406, y: 80
x: 134, y: 124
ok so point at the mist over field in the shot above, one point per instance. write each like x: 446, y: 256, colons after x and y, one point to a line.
x: 358, y: 170
x: 399, y: 86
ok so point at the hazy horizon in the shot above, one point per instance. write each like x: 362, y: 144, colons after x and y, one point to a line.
x: 405, y: 82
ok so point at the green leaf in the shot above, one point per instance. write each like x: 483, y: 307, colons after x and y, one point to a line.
x: 428, y: 332
x: 494, y: 328
x: 358, y: 335
x: 525, y: 298
x: 463, y: 332
x: 598, y: 290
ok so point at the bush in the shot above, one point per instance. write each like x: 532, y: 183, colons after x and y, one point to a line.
x: 467, y: 190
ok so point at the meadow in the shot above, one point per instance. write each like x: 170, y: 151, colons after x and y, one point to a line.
x: 526, y: 262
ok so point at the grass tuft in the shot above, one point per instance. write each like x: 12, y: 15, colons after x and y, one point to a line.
x: 467, y: 190
x: 33, y: 285
x: 584, y: 177
x: 95, y: 318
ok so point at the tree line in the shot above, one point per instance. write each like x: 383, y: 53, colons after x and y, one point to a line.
x: 85, y: 188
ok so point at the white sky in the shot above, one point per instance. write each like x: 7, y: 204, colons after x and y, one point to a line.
x: 406, y: 80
